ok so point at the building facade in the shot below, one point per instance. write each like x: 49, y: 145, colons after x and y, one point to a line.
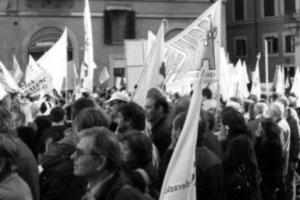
x: 250, y: 23
x: 31, y: 27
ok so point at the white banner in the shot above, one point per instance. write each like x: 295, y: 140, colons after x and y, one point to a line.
x: 197, y: 47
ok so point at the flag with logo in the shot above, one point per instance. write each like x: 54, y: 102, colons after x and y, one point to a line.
x: 37, y: 79
x: 88, y: 66
x: 7, y: 81
x: 104, y: 75
x: 16, y: 71
x: 183, y: 60
x: 256, y: 88
x: 180, y: 179
x: 153, y: 73
x: 55, y: 61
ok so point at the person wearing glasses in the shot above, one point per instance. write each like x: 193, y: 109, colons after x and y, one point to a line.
x: 97, y: 158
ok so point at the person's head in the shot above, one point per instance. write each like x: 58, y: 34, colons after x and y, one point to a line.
x: 206, y: 93
x: 236, y: 103
x: 97, y: 153
x: 269, y: 128
x: 181, y: 105
x: 260, y: 108
x: 81, y: 104
x: 42, y: 123
x: 284, y: 101
x: 156, y: 107
x: 88, y: 118
x: 178, y: 123
x: 57, y: 114
x: 235, y: 121
x: 8, y: 153
x: 276, y: 110
x: 136, y: 149
x: 131, y: 116
x: 115, y: 102
x: 293, y: 102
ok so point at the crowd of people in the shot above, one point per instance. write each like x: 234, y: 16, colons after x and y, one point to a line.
x: 105, y: 146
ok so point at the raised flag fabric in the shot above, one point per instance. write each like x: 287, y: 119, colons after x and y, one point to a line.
x: 296, y: 83
x: 191, y: 50
x: 32, y: 70
x: 153, y: 73
x: 104, y: 75
x: 36, y: 79
x: 256, y: 87
x: 224, y: 75
x: 279, y: 87
x: 150, y: 41
x: 7, y: 81
x: 71, y: 78
x: 3, y: 93
x: 55, y: 61
x: 243, y: 80
x: 180, y: 179
x: 16, y: 71
x: 88, y: 66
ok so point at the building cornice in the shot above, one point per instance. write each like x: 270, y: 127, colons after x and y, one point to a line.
x: 261, y: 21
x: 94, y: 15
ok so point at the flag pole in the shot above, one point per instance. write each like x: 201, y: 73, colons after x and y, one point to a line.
x: 267, y: 70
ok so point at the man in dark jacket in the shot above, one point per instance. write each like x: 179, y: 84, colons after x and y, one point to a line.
x: 97, y: 158
x: 161, y: 126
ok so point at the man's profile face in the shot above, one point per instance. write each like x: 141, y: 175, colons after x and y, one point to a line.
x: 150, y: 110
x: 85, y: 164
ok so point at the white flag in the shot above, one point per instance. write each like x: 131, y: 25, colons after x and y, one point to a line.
x: 7, y: 80
x: 296, y: 83
x: 181, y: 172
x: 256, y: 88
x: 192, y: 49
x: 3, y: 93
x: 154, y: 72
x: 88, y: 66
x: 224, y: 75
x: 37, y: 79
x: 279, y: 87
x: 16, y: 72
x: 150, y: 42
x: 241, y: 87
x: 32, y: 70
x: 104, y: 75
x: 55, y: 61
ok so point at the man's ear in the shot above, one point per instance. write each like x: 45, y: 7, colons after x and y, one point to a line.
x: 101, y: 162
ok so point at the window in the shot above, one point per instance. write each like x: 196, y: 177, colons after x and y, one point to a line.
x: 272, y: 44
x: 241, y: 47
x: 269, y: 8
x: 239, y: 10
x: 289, y: 7
x: 119, y: 24
x: 290, y: 43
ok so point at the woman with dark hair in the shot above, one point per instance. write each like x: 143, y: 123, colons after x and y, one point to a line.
x: 136, y: 152
x: 240, y: 165
x: 269, y: 157
x: 12, y: 186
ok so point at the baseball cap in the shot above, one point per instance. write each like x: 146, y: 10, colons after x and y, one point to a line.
x: 119, y: 96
